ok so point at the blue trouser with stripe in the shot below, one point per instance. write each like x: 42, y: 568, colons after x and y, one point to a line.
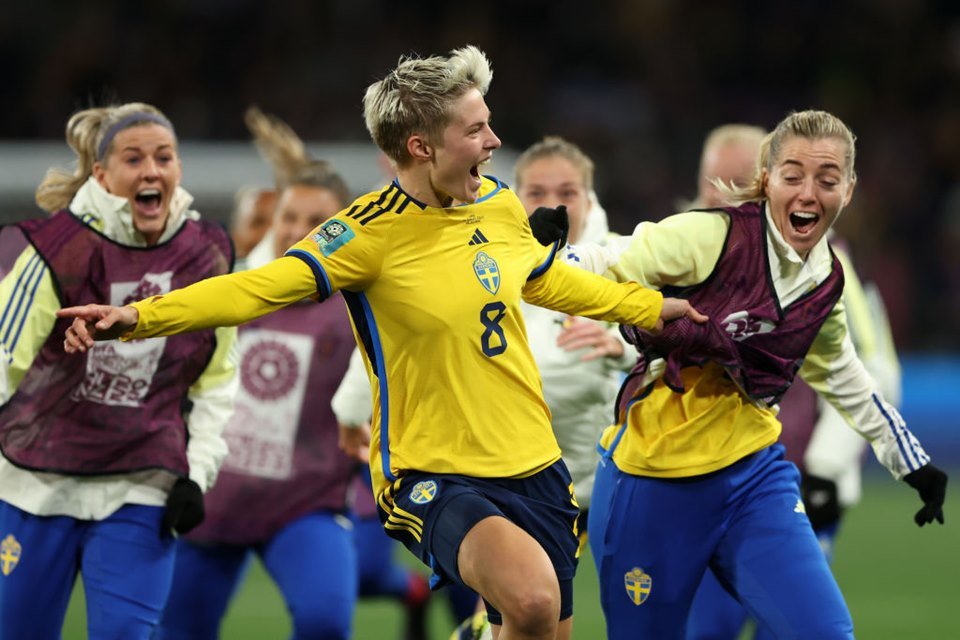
x: 312, y: 560
x: 127, y: 567
x: 653, y: 539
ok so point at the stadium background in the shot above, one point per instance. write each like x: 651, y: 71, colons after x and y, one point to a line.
x: 637, y: 84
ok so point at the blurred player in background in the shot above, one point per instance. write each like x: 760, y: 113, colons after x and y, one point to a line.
x: 690, y: 478
x: 105, y: 455
x: 251, y: 218
x: 465, y: 466
x: 581, y: 361
x: 283, y: 489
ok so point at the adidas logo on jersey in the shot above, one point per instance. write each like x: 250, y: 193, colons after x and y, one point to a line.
x: 478, y: 238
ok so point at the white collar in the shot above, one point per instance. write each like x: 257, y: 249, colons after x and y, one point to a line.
x: 819, y: 253
x: 112, y: 215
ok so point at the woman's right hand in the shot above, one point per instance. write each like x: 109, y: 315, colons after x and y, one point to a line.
x: 96, y: 322
x: 676, y: 308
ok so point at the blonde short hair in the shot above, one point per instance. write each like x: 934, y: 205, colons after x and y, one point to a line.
x: 552, y: 146
x: 809, y: 124
x: 417, y: 96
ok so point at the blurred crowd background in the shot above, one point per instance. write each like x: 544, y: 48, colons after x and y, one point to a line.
x: 637, y: 84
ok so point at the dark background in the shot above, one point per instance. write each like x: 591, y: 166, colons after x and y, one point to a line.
x: 636, y: 84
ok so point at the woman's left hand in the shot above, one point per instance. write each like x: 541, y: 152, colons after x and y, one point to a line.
x: 580, y: 333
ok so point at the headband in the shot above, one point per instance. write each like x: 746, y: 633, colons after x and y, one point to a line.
x: 139, y: 116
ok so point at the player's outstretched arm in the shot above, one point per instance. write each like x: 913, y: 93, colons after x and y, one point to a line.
x: 576, y: 292
x: 222, y: 301
x: 96, y: 322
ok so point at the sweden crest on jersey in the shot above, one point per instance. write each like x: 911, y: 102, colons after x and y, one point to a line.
x: 487, y: 272
x: 638, y: 585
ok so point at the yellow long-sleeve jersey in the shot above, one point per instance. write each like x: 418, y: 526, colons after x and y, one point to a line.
x: 434, y: 297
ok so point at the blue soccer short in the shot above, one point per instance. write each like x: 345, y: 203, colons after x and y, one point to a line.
x: 432, y: 513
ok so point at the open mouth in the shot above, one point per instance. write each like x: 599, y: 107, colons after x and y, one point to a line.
x: 803, y: 221
x: 149, y: 200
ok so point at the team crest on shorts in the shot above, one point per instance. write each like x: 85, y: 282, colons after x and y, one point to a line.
x: 424, y: 492
x: 10, y: 551
x: 638, y: 585
x: 487, y: 271
x: 332, y: 235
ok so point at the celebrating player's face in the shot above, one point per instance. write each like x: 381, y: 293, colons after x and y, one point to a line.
x: 552, y: 181
x: 143, y: 167
x: 806, y: 189
x: 468, y: 142
x: 301, y: 209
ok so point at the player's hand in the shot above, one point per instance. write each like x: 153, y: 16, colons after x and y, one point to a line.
x: 96, y: 322
x: 184, y: 506
x: 550, y: 225
x: 676, y: 308
x: 355, y: 441
x: 931, y: 484
x: 820, y: 501
x: 580, y: 333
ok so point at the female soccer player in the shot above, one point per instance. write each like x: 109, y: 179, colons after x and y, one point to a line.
x: 815, y: 437
x: 101, y: 459
x: 465, y: 466
x: 691, y: 477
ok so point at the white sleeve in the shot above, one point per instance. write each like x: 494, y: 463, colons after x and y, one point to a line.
x: 353, y: 401
x: 28, y: 306
x: 212, y: 398
x: 835, y: 452
x: 833, y: 369
x: 592, y: 257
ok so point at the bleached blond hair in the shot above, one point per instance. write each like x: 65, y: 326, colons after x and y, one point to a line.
x: 552, y: 146
x: 732, y: 134
x: 86, y: 131
x: 809, y: 124
x: 292, y: 164
x: 417, y: 96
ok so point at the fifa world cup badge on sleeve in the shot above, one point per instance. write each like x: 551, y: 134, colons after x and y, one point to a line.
x: 10, y: 551
x: 332, y: 235
x: 638, y: 585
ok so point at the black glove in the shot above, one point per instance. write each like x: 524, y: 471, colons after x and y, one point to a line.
x: 931, y: 484
x: 820, y: 501
x: 184, y: 506
x: 550, y: 225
